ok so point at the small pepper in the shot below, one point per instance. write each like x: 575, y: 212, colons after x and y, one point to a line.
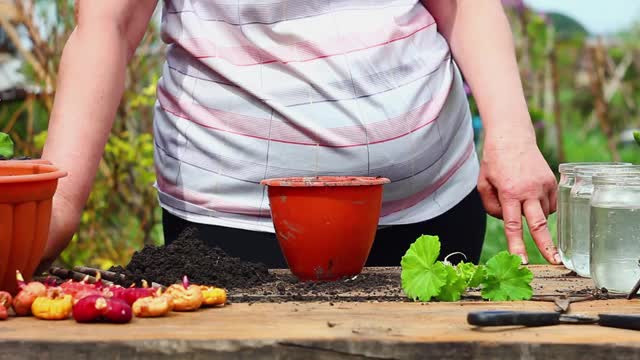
x: 152, y: 306
x: 129, y: 295
x: 185, y: 297
x: 56, y: 305
x: 84, y: 293
x: 98, y: 308
x: 213, y: 296
x: 5, y: 303
x: 73, y: 288
x: 28, y: 293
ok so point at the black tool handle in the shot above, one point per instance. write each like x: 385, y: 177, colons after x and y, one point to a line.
x: 631, y: 322
x: 508, y: 318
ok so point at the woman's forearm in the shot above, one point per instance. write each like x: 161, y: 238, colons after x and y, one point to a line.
x: 481, y: 42
x: 90, y: 85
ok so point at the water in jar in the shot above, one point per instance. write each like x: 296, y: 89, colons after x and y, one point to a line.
x: 564, y: 224
x: 579, y: 235
x: 615, y: 237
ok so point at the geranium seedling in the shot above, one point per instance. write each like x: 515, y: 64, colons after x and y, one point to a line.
x: 424, y: 278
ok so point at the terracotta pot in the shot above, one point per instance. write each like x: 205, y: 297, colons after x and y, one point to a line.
x: 26, y: 191
x: 325, y: 225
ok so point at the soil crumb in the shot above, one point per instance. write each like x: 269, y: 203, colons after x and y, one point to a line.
x: 188, y: 255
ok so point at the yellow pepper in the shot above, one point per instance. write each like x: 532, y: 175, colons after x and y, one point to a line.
x: 56, y: 305
x: 213, y: 296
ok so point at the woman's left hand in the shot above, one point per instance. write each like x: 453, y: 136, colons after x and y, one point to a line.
x: 516, y: 180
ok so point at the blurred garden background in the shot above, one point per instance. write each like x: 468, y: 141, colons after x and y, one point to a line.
x: 581, y: 72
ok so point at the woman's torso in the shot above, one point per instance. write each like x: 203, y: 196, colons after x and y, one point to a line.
x: 263, y: 89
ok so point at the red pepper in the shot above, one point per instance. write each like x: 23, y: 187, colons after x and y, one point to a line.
x: 97, y: 308
x: 5, y: 303
x: 73, y: 287
x: 27, y: 295
x: 89, y: 308
x: 130, y: 295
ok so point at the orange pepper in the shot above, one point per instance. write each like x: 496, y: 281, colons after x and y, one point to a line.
x: 152, y: 306
x: 185, y: 297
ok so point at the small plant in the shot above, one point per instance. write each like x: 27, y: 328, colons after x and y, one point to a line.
x: 424, y: 278
x: 6, y: 146
x: 636, y: 135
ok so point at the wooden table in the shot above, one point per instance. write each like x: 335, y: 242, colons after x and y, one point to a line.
x: 339, y: 330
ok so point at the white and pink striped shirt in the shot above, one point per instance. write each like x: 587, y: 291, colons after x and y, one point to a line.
x: 256, y: 89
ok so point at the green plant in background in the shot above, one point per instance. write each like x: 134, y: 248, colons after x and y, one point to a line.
x: 6, y: 146
x: 122, y: 213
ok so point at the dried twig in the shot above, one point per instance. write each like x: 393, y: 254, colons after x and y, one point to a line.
x: 74, y: 275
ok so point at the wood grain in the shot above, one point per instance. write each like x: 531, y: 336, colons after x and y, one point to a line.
x: 323, y: 330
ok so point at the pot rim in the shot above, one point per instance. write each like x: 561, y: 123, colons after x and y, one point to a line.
x: 324, y: 181
x: 50, y: 172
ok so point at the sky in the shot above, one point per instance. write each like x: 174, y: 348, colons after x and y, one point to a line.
x: 598, y: 16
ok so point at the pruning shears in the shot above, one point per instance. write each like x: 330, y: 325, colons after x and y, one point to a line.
x: 531, y: 319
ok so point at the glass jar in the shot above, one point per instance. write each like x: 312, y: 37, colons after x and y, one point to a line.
x: 579, y: 210
x: 567, y: 179
x: 615, y: 231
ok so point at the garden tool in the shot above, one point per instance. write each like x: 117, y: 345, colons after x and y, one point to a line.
x: 532, y: 319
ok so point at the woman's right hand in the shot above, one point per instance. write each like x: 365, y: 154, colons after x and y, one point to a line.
x: 90, y: 84
x: 64, y: 223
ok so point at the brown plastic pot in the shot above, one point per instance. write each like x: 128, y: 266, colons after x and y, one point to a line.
x: 325, y: 225
x: 26, y: 191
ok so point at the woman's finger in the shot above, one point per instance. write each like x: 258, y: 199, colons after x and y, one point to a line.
x: 489, y: 196
x: 545, y: 204
x: 553, y: 199
x: 512, y: 215
x: 539, y: 229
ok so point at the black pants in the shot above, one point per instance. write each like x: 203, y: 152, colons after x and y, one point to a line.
x: 460, y: 229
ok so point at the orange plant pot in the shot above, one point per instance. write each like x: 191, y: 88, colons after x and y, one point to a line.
x: 26, y: 191
x: 325, y: 225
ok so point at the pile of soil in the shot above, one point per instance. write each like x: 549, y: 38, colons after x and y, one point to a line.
x: 246, y: 281
x: 188, y: 255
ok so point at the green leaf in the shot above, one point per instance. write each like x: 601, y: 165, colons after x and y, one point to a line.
x: 473, y: 274
x: 455, y: 286
x: 6, y: 146
x: 423, y: 277
x: 479, y: 276
x: 636, y: 135
x: 506, y: 279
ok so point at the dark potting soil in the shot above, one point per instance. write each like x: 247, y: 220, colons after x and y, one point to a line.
x: 370, y: 285
x: 188, y: 255
x: 249, y: 282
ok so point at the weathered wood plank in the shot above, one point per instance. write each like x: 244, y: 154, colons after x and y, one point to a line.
x: 341, y: 330
x: 322, y: 331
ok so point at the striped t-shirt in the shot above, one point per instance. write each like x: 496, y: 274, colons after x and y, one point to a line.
x: 256, y: 89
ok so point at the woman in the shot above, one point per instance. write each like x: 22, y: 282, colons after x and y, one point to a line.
x: 303, y: 87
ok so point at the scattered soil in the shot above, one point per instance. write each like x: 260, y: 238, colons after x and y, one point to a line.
x: 370, y: 285
x: 188, y: 255
x: 251, y: 283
